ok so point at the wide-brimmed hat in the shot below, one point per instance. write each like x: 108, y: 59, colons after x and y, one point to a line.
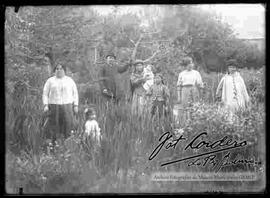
x: 232, y: 63
x: 138, y: 62
x: 110, y: 54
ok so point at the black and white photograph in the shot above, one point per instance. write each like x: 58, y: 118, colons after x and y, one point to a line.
x: 135, y: 99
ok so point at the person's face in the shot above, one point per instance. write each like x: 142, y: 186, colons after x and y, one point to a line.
x: 157, y: 80
x: 231, y: 69
x: 139, y: 67
x: 190, y: 66
x: 93, y: 116
x: 110, y: 60
x: 59, y: 71
x: 47, y: 61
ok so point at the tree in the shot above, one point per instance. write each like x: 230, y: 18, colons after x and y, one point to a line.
x: 160, y: 35
x: 202, y: 35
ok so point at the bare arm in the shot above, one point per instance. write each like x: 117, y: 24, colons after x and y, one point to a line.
x: 178, y: 87
x: 75, y: 94
x: 199, y: 81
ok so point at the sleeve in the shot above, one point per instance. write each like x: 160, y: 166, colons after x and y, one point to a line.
x: 46, y: 92
x: 179, y: 81
x: 97, y: 128
x: 199, y: 82
x: 87, y: 128
x: 123, y: 68
x: 220, y: 85
x: 102, y: 78
x: 75, y: 93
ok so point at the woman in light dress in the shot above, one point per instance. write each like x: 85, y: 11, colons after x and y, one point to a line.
x: 189, y: 85
x: 137, y: 80
x: 232, y: 90
x: 60, y: 99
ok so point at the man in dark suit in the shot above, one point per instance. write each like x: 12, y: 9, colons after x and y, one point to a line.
x: 111, y: 82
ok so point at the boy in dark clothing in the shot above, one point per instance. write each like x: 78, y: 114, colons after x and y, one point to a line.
x: 111, y: 83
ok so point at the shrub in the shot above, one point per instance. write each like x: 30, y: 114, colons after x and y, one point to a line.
x: 128, y: 143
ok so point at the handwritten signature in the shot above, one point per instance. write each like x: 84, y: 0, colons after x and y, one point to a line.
x: 223, y: 144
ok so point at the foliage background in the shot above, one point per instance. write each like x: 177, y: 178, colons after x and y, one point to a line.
x: 81, y: 37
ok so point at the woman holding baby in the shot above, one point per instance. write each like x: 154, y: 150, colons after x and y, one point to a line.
x: 141, y: 80
x: 137, y: 91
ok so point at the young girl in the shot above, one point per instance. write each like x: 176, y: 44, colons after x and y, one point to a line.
x: 159, y: 94
x: 92, y: 129
x: 147, y: 73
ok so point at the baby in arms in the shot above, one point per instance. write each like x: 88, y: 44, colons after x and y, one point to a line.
x: 147, y: 73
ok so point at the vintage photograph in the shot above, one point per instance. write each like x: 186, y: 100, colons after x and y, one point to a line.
x: 135, y: 99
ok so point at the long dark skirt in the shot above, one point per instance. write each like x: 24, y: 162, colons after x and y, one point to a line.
x: 158, y: 107
x: 60, y: 121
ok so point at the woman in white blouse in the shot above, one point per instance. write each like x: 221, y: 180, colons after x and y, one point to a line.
x: 60, y: 99
x: 189, y: 84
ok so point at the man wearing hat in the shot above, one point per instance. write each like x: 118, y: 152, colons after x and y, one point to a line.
x: 110, y: 80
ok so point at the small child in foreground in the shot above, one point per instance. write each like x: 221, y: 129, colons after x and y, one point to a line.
x: 91, y: 126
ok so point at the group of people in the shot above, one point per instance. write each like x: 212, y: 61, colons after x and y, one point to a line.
x: 144, y: 86
x: 147, y: 89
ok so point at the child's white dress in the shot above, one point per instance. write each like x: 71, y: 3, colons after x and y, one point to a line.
x: 92, y: 129
x: 149, y: 74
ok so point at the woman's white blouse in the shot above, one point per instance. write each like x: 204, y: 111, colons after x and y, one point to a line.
x: 192, y: 77
x: 60, y: 91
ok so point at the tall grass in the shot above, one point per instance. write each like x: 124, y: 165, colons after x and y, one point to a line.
x: 121, y: 165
